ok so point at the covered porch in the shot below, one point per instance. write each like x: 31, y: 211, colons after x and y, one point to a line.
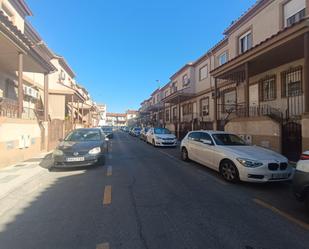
x: 270, y: 80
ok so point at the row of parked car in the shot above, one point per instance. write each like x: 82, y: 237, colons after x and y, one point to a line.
x: 233, y: 158
x: 158, y: 137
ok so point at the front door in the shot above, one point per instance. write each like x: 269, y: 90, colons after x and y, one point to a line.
x: 292, y: 140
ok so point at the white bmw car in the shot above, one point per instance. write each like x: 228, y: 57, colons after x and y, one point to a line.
x: 161, y: 137
x: 233, y: 158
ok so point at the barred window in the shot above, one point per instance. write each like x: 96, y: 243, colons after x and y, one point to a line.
x: 204, y: 106
x: 167, y: 115
x: 229, y: 101
x: 174, y: 113
x: 187, y: 109
x: 292, y: 82
x: 268, y: 88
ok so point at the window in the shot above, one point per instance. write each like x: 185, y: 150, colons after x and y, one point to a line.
x: 228, y: 139
x: 205, y: 136
x: 174, y: 87
x: 195, y: 136
x: 203, y: 73
x: 166, y: 93
x: 292, y: 82
x: 158, y: 98
x: 229, y: 101
x: 185, y: 80
x: 294, y: 11
x: 167, y: 115
x: 187, y: 109
x: 204, y: 103
x: 245, y: 42
x: 174, y: 113
x: 268, y: 88
x: 222, y: 59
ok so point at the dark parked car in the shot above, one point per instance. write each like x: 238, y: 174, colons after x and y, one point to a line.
x: 82, y: 147
x: 108, y: 131
x: 301, y: 179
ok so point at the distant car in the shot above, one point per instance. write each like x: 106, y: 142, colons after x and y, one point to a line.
x: 161, y: 137
x: 81, y: 147
x: 108, y: 131
x: 301, y: 179
x: 233, y: 158
x: 136, y: 131
x: 144, y: 133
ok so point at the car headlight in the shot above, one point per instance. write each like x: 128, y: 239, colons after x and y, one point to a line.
x: 249, y: 162
x: 57, y: 152
x: 95, y: 151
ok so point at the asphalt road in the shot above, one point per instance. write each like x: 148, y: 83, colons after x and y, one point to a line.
x: 146, y: 198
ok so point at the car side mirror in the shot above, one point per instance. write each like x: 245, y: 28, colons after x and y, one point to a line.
x: 206, y: 141
x: 60, y: 140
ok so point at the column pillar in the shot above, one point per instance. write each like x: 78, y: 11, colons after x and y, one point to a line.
x: 78, y: 111
x: 247, y: 103
x: 179, y: 118
x: 20, y: 84
x: 72, y: 110
x: 46, y: 97
x: 306, y: 70
x: 82, y: 112
x: 216, y: 105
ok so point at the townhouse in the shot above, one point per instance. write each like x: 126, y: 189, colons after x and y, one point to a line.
x: 116, y: 119
x: 254, y: 82
x: 38, y: 93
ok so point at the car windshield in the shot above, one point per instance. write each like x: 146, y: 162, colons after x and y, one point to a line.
x: 161, y: 131
x: 228, y: 139
x: 84, y: 135
x: 137, y: 129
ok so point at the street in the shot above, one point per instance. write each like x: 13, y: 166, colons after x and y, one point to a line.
x: 147, y: 198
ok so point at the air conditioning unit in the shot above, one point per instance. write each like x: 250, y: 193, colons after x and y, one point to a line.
x: 35, y: 94
x: 27, y: 90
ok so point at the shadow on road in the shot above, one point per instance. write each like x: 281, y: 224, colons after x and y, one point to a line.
x: 56, y: 214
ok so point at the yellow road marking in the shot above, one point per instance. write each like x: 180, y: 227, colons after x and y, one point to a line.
x: 103, y: 246
x: 107, y: 198
x: 109, y: 171
x: 285, y: 215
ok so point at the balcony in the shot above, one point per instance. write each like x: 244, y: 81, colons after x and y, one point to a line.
x: 180, y: 96
x: 8, y: 108
x: 255, y: 111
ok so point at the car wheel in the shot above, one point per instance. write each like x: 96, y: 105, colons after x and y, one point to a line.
x: 307, y: 201
x: 229, y: 171
x: 184, y: 155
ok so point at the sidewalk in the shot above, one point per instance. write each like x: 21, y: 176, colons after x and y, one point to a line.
x: 14, y: 176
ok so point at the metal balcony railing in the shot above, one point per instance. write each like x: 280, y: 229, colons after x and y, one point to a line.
x: 8, y: 108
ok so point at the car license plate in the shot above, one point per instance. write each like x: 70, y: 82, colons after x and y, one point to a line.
x: 279, y: 176
x: 75, y: 159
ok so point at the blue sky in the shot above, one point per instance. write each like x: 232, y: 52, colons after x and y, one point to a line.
x: 119, y: 48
